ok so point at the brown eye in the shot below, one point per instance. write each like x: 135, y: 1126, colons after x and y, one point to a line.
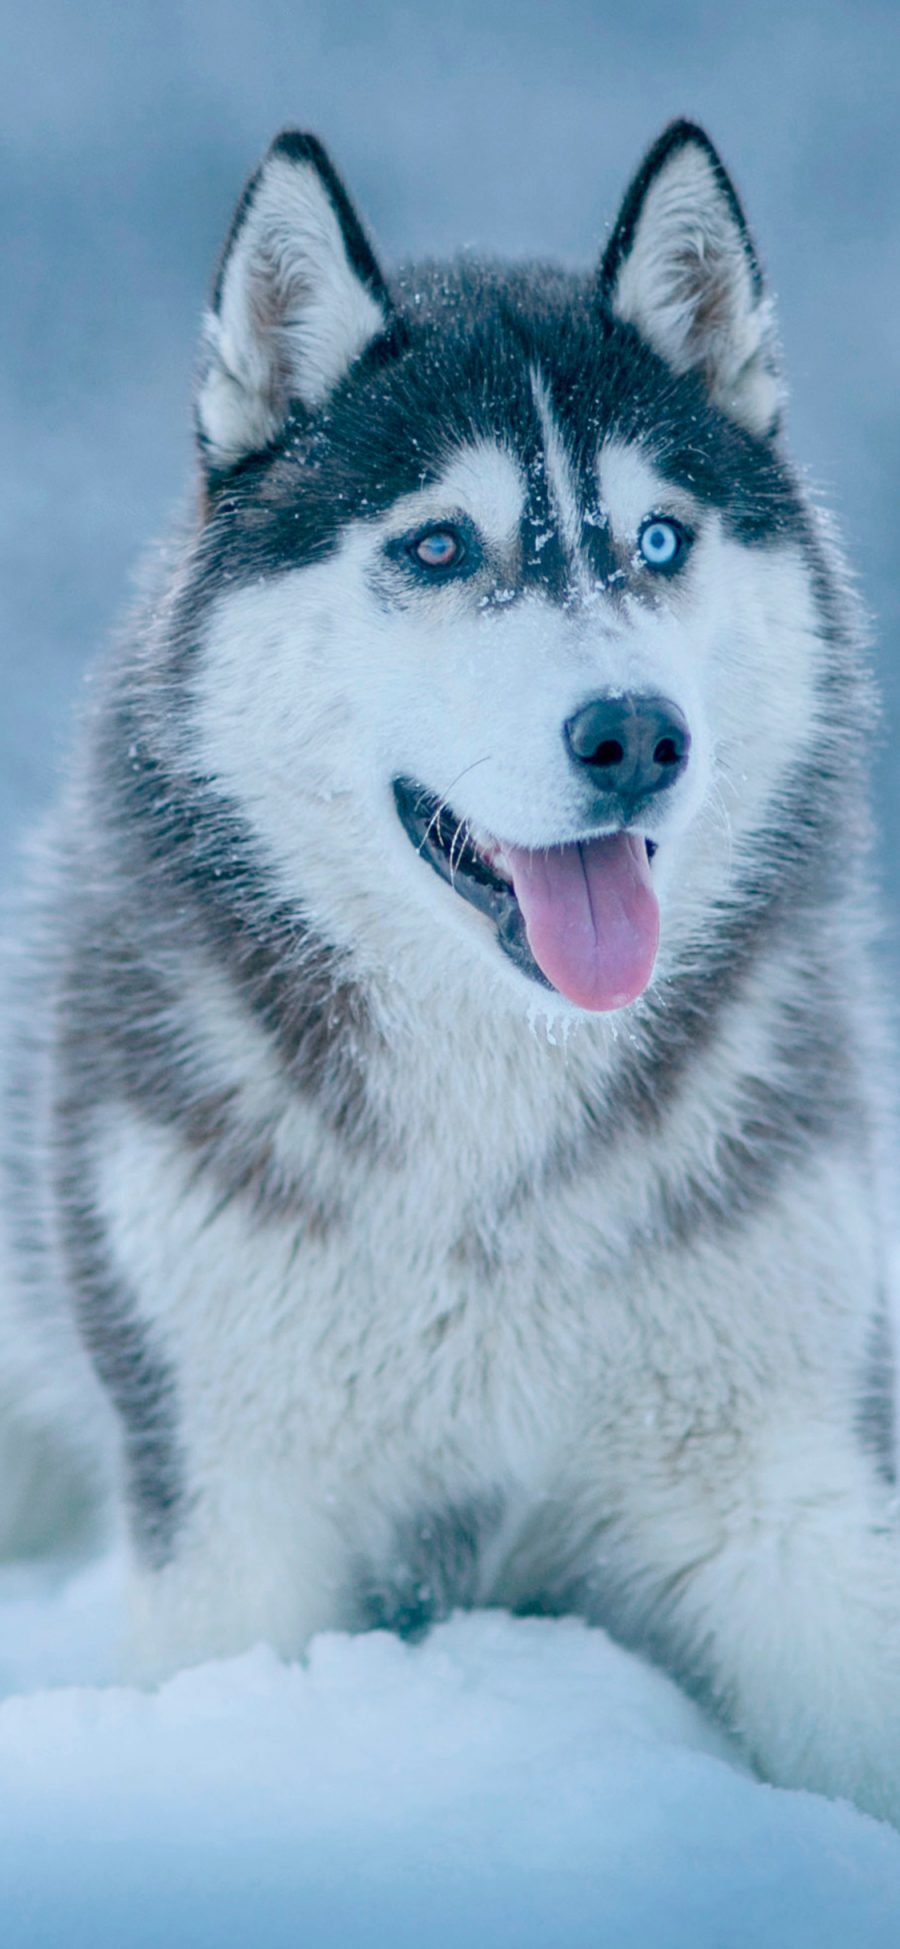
x: 441, y: 548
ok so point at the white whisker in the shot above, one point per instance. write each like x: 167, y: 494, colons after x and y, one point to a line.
x: 442, y: 802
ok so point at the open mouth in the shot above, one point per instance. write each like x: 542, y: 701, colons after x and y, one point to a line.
x: 579, y: 918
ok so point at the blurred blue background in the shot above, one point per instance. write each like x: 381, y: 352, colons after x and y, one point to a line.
x: 126, y: 131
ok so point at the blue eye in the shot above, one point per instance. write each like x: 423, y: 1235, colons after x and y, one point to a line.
x: 661, y: 543
x: 441, y: 548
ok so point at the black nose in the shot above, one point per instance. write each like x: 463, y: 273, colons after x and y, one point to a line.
x: 630, y: 746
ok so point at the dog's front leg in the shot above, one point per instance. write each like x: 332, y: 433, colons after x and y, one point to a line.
x: 253, y: 1562
x: 767, y: 1573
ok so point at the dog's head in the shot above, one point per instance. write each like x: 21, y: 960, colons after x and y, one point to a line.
x: 512, y: 635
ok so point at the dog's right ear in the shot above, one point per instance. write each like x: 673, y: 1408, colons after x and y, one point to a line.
x: 298, y: 297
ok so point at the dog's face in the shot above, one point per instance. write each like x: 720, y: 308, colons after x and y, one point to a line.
x: 510, y: 636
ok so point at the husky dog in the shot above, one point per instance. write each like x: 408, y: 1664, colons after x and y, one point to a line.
x: 447, y: 1100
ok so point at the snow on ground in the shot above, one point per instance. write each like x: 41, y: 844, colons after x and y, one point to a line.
x: 508, y: 1782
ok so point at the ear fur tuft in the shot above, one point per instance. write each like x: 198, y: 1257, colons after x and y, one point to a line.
x: 298, y: 297
x: 681, y: 268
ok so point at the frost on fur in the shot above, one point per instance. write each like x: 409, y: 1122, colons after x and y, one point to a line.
x: 299, y: 297
x: 682, y: 269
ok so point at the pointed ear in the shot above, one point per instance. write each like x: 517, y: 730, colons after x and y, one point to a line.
x: 682, y: 269
x: 298, y: 297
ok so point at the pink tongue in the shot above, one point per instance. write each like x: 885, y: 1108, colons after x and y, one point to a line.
x: 591, y: 917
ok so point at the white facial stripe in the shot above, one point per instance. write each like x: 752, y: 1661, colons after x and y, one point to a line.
x: 484, y: 481
x: 560, y: 474
x: 631, y: 488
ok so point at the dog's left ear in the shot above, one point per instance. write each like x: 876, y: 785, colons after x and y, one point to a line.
x: 298, y: 297
x: 681, y: 268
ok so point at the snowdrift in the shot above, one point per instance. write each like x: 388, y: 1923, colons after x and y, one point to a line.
x: 507, y: 1782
